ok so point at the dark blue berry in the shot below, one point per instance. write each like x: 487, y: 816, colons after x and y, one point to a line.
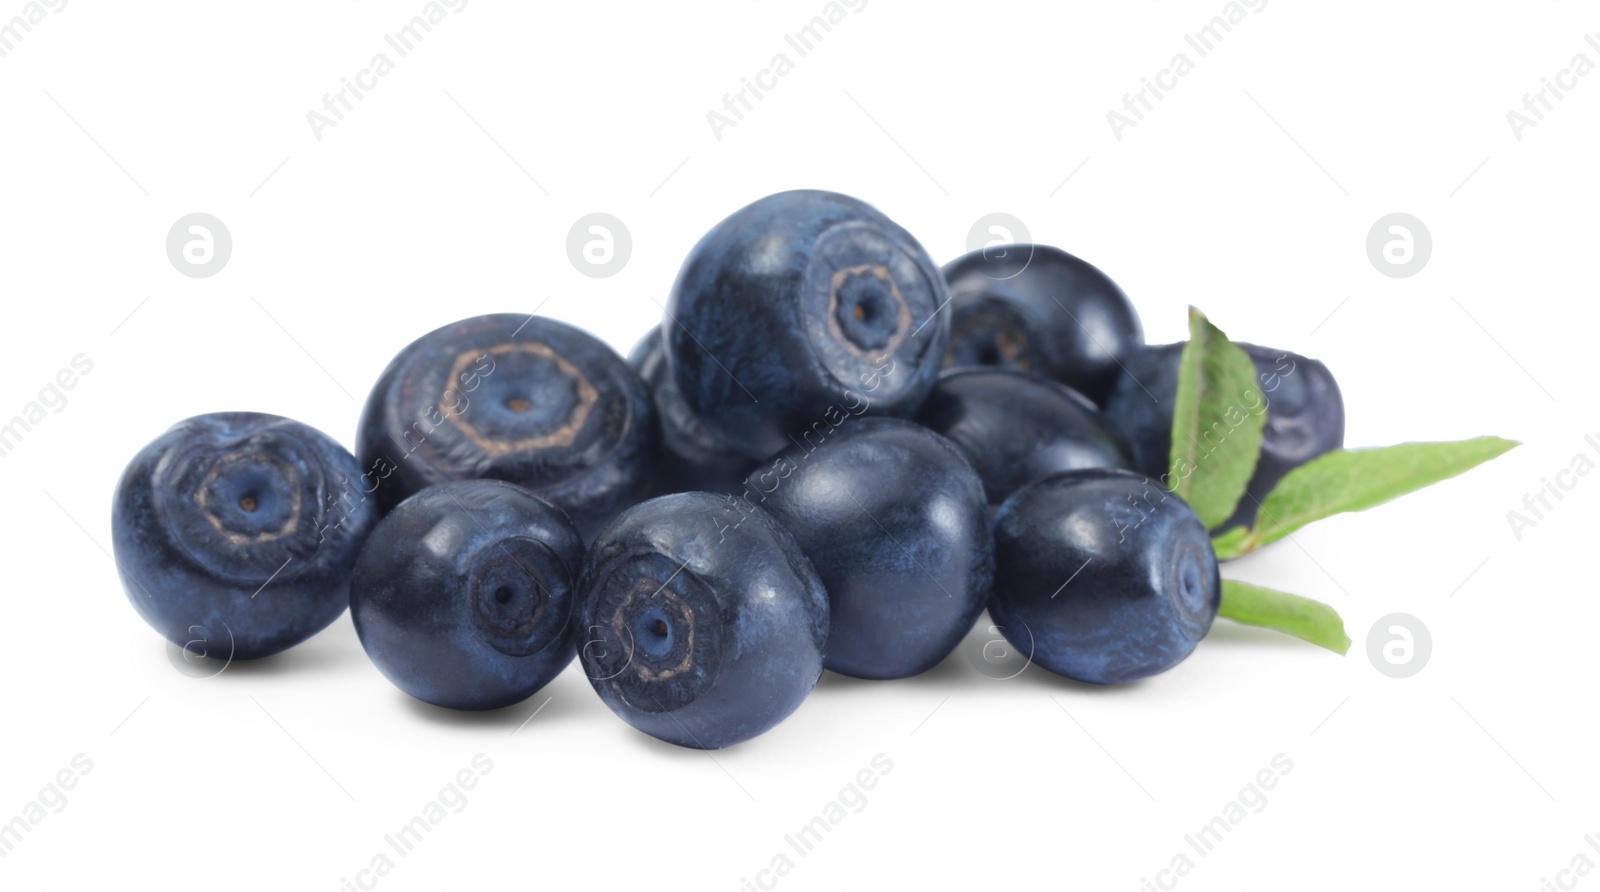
x: 704, y: 624
x: 1305, y: 415
x: 463, y: 594
x: 1102, y: 576
x: 1016, y: 427
x: 692, y: 458
x: 1042, y: 310
x: 239, y: 530
x: 799, y: 305
x: 529, y: 400
x: 895, y: 522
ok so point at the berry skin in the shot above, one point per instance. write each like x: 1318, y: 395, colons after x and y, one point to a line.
x: 1017, y: 427
x: 238, y: 531
x: 704, y: 624
x: 895, y: 522
x: 691, y: 458
x: 463, y: 594
x: 1041, y: 310
x: 1305, y: 415
x: 532, y: 401
x: 1102, y: 576
x: 799, y: 306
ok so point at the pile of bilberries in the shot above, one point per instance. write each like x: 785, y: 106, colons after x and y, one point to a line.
x: 830, y: 454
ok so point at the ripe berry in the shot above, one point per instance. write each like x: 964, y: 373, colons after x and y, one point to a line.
x: 1305, y: 415
x: 895, y: 522
x: 238, y: 531
x: 692, y: 459
x: 801, y: 305
x: 529, y: 400
x: 704, y: 625
x: 463, y: 594
x: 1017, y: 427
x: 1041, y: 310
x: 1102, y: 576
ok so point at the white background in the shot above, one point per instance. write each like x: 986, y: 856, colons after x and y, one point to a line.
x: 449, y: 190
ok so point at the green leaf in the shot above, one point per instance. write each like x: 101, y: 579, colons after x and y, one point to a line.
x: 1355, y: 480
x: 1303, y: 618
x: 1216, y: 423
